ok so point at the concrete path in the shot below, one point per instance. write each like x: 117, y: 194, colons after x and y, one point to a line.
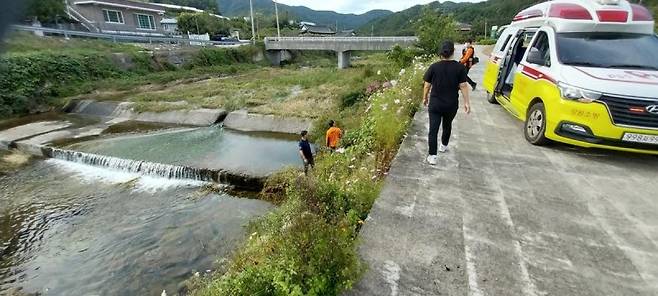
x: 498, y: 216
x: 29, y: 130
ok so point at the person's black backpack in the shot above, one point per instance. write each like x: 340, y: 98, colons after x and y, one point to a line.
x: 475, y: 59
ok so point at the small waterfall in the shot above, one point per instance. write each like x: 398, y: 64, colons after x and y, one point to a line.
x: 135, y: 166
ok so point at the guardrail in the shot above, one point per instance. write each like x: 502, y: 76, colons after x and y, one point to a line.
x: 343, y: 39
x: 121, y: 38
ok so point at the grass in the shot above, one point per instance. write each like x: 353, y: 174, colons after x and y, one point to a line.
x: 19, y: 43
x: 293, y: 90
x: 307, y: 246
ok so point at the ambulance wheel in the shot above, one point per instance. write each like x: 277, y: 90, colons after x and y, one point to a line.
x: 535, y: 125
x: 491, y: 98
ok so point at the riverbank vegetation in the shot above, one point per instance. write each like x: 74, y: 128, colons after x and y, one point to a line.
x: 45, y: 73
x: 292, y: 90
x: 308, y: 245
x: 39, y: 72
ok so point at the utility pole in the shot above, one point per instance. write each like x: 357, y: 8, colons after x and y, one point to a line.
x: 278, y: 30
x: 485, y: 29
x: 253, y: 28
x: 196, y: 21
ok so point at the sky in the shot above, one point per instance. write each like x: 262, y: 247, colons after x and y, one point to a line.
x: 359, y: 6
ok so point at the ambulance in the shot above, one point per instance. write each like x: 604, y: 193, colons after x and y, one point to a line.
x: 581, y: 72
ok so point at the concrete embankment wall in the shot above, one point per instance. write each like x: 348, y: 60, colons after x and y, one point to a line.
x: 125, y: 110
x: 236, y: 120
x: 249, y: 122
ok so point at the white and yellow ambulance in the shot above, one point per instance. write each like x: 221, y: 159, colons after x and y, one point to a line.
x: 582, y: 72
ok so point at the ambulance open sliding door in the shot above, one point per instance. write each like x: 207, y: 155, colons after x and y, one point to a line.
x: 506, y: 66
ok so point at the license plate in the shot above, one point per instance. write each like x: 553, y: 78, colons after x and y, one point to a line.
x: 639, y: 138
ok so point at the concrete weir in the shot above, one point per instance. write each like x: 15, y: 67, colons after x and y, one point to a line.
x: 238, y: 180
x: 125, y: 110
x: 36, y: 139
x: 249, y: 122
x: 240, y: 120
x: 10, y: 136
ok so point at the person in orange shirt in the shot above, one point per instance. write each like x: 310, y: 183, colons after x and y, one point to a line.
x: 333, y: 135
x: 467, y: 60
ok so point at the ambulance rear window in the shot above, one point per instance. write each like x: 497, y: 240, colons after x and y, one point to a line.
x: 608, y: 50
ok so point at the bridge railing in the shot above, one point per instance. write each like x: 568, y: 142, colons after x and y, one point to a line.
x: 341, y: 39
x: 120, y: 38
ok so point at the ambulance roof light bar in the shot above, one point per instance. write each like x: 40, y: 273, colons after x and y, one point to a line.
x: 569, y: 11
x: 528, y: 14
x: 572, y: 11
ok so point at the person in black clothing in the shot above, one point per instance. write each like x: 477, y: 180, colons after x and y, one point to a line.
x: 305, y: 152
x: 443, y: 81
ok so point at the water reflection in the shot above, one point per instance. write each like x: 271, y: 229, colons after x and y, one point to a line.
x: 210, y: 147
x: 69, y: 229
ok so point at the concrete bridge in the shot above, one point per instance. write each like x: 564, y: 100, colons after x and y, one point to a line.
x: 343, y: 46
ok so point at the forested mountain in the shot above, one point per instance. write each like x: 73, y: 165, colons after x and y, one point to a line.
x: 299, y: 13
x: 493, y: 12
x: 208, y: 5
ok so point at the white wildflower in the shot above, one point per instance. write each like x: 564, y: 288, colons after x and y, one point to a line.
x: 402, y: 72
x: 397, y: 102
x: 379, y: 72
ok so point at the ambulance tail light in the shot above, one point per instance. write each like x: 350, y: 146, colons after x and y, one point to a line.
x: 569, y: 11
x: 641, y: 13
x: 612, y: 16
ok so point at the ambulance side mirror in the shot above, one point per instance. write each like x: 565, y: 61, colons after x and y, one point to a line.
x: 535, y: 57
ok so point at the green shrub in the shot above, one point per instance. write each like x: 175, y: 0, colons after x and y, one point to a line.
x: 486, y: 42
x: 29, y: 81
x: 402, y: 57
x: 208, y: 57
x: 351, y: 98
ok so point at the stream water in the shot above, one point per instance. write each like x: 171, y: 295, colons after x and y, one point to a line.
x: 71, y: 229
x: 257, y: 154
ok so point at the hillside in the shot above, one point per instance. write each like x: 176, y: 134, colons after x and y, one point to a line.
x: 494, y: 12
x: 402, y: 23
x: 300, y: 13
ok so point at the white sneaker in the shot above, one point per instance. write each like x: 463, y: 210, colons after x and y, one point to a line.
x: 443, y: 149
x: 432, y: 159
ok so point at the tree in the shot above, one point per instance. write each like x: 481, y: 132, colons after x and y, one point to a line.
x: 44, y: 10
x: 202, y: 23
x: 433, y: 28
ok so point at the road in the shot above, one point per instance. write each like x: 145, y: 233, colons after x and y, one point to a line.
x: 498, y: 216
